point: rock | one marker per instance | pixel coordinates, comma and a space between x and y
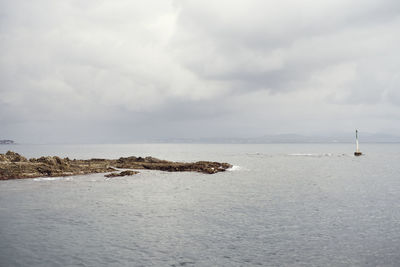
154, 160
125, 160
3, 158
14, 157
47, 160
123, 173
15, 166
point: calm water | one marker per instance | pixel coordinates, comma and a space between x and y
281, 205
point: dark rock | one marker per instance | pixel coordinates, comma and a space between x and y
123, 173
14, 157
15, 166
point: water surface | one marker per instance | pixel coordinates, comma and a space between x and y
281, 205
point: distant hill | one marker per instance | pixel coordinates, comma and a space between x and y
6, 142
288, 138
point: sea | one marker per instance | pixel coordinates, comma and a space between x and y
279, 205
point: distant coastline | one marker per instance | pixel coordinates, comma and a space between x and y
7, 142
284, 139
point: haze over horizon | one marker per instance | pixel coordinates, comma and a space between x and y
122, 71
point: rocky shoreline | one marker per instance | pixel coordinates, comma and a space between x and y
15, 166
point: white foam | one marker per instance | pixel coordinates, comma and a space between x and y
311, 154
52, 179
235, 168
302, 154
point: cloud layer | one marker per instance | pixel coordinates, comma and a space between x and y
119, 71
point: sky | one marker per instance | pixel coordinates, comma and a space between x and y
119, 71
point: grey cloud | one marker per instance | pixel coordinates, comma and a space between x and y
126, 70
246, 47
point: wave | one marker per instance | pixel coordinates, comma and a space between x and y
311, 154
235, 168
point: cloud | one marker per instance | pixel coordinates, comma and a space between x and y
196, 68
273, 46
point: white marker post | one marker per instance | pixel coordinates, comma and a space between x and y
357, 153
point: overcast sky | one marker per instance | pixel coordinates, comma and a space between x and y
125, 70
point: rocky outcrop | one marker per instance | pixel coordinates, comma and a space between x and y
15, 166
12, 157
120, 174
151, 163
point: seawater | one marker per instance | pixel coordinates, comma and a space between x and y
281, 205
